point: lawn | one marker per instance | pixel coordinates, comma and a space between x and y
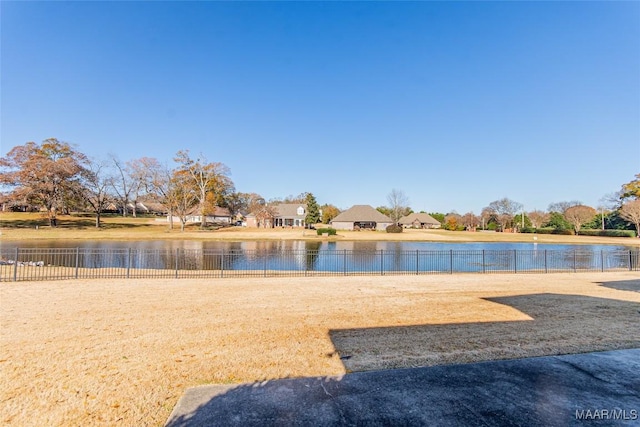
105, 352
32, 226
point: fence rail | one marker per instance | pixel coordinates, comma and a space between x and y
22, 264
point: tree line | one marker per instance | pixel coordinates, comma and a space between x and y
56, 177
618, 211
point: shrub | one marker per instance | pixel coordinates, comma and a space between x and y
548, 231
563, 232
394, 228
330, 231
608, 233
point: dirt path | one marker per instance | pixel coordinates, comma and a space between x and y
104, 352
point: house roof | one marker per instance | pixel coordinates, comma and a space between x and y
423, 218
290, 209
148, 206
217, 211
361, 213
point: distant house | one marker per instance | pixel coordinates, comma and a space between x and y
148, 207
419, 220
281, 215
9, 204
360, 217
219, 215
290, 215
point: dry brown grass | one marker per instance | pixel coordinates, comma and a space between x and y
123, 351
21, 226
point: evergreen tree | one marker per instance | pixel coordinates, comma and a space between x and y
313, 212
558, 222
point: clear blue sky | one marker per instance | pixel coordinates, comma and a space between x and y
457, 104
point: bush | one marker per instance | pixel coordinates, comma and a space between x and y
563, 232
394, 228
548, 231
608, 233
329, 231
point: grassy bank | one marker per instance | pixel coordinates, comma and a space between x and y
115, 352
33, 226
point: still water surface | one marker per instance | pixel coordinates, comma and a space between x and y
344, 256
288, 245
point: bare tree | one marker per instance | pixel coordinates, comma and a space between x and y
183, 196
487, 215
612, 201
505, 210
122, 183
631, 212
95, 188
608, 203
206, 177
237, 203
538, 218
159, 185
578, 215
398, 204
300, 198
561, 207
470, 221
138, 172
254, 201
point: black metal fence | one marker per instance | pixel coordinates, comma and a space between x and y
48, 264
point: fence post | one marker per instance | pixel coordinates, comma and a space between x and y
450, 261
630, 261
128, 262
15, 267
417, 262
177, 260
546, 270
222, 264
515, 260
265, 266
575, 269
382, 262
344, 262
484, 266
77, 261
601, 260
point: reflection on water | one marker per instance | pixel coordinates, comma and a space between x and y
272, 246
350, 257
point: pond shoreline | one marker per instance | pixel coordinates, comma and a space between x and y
237, 234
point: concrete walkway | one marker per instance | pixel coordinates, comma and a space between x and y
594, 389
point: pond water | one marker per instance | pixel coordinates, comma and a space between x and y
348, 257
273, 246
